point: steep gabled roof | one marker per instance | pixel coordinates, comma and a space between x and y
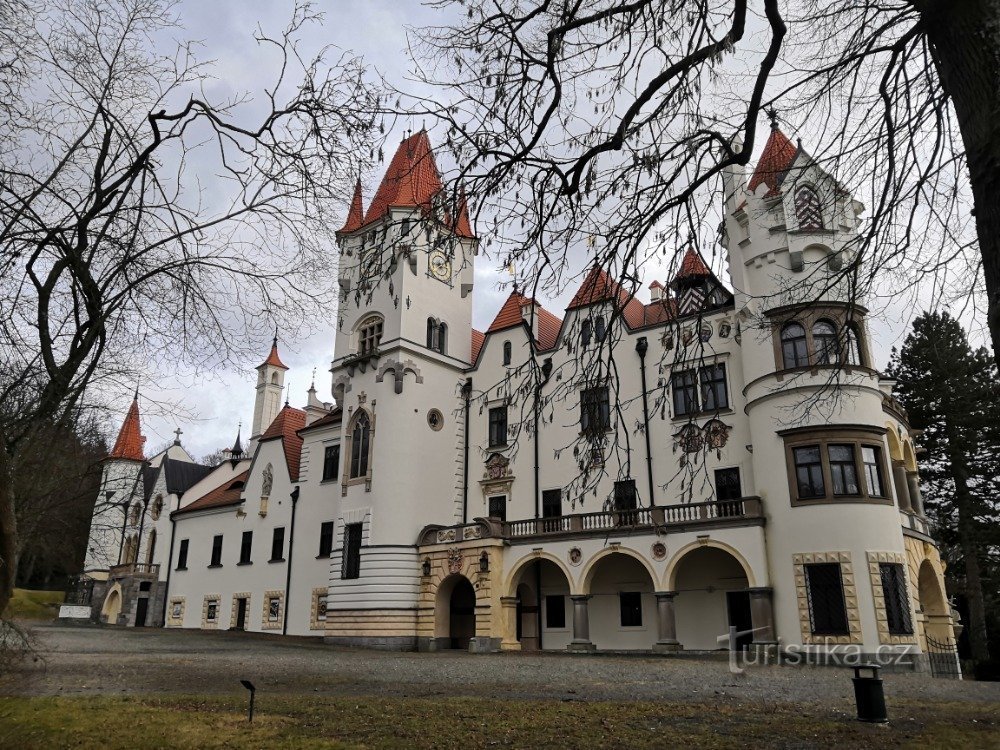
180, 476
692, 266
775, 160
227, 493
130, 441
660, 311
478, 337
355, 215
286, 426
512, 314
411, 180
598, 286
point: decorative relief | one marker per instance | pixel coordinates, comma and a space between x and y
689, 439
472, 532
800, 560
497, 467
658, 550
454, 561
881, 619
268, 482
717, 433
575, 556
446, 535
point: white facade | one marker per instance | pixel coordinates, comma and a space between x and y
484, 495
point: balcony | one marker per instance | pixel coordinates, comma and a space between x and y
746, 511
135, 570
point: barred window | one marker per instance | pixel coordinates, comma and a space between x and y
809, 471
350, 564
498, 507
825, 591
843, 470
897, 601
595, 410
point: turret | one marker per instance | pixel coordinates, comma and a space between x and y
270, 383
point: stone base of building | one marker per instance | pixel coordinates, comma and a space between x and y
74, 612
483, 644
667, 648
376, 642
581, 648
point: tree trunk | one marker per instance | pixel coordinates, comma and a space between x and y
968, 542
8, 530
965, 36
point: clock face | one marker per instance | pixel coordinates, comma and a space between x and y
440, 266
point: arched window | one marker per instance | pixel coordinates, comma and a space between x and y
442, 338
852, 346
793, 346
808, 210
360, 445
599, 330
431, 333
586, 330
369, 334
274, 378
825, 342
506, 352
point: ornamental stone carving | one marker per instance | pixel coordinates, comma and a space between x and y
454, 561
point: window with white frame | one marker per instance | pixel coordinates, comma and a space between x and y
370, 334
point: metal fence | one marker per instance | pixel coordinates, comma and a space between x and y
943, 657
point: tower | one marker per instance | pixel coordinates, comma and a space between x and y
270, 384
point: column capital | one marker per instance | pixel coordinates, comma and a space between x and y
508, 601
581, 597
665, 594
760, 591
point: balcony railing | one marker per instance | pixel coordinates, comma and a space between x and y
720, 512
145, 570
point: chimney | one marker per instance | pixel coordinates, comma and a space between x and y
655, 291
529, 311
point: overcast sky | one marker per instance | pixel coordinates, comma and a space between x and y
215, 405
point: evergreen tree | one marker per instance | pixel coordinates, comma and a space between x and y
952, 394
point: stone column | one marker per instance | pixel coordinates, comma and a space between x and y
916, 499
666, 621
902, 487
581, 625
508, 624
762, 615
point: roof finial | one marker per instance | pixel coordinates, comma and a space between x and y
136, 396
275, 342
312, 384
177, 436
772, 114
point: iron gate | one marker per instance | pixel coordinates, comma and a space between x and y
943, 657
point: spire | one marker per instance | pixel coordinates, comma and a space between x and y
273, 360
692, 266
130, 441
775, 160
236, 452
411, 180
356, 213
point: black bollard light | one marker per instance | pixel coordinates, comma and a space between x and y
869, 695
253, 691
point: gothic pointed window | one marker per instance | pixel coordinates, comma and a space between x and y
794, 352
808, 210
825, 342
360, 446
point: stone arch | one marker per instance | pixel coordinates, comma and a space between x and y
933, 600
670, 579
909, 456
895, 449
510, 585
112, 606
587, 578
450, 624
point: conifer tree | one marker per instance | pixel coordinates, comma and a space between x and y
951, 393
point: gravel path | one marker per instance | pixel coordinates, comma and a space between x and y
90, 660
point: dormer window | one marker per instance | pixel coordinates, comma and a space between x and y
369, 335
808, 210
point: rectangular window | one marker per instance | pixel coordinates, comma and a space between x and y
331, 462
246, 544
326, 538
321, 608
595, 410
685, 392
216, 552
713, 388
273, 608
843, 470
551, 503
897, 601
182, 555
498, 507
350, 565
809, 472
498, 426
727, 484
212, 611
630, 603
872, 459
825, 591
278, 545
555, 611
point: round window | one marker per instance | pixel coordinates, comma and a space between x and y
435, 419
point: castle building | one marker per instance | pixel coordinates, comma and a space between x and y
709, 468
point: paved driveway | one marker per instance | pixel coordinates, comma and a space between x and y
91, 660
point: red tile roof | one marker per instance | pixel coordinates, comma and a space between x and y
273, 359
777, 157
692, 265
598, 286
660, 312
656, 285
286, 426
356, 212
412, 178
463, 228
227, 493
478, 337
130, 440
334, 417
511, 314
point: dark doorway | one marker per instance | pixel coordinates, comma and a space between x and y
738, 603
241, 614
462, 618
141, 605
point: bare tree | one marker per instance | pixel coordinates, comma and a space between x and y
144, 222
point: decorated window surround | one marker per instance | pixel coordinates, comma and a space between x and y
875, 559
799, 561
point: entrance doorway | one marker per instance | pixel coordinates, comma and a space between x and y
241, 613
738, 604
141, 606
462, 615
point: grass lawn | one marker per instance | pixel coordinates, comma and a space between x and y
309, 721
33, 605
